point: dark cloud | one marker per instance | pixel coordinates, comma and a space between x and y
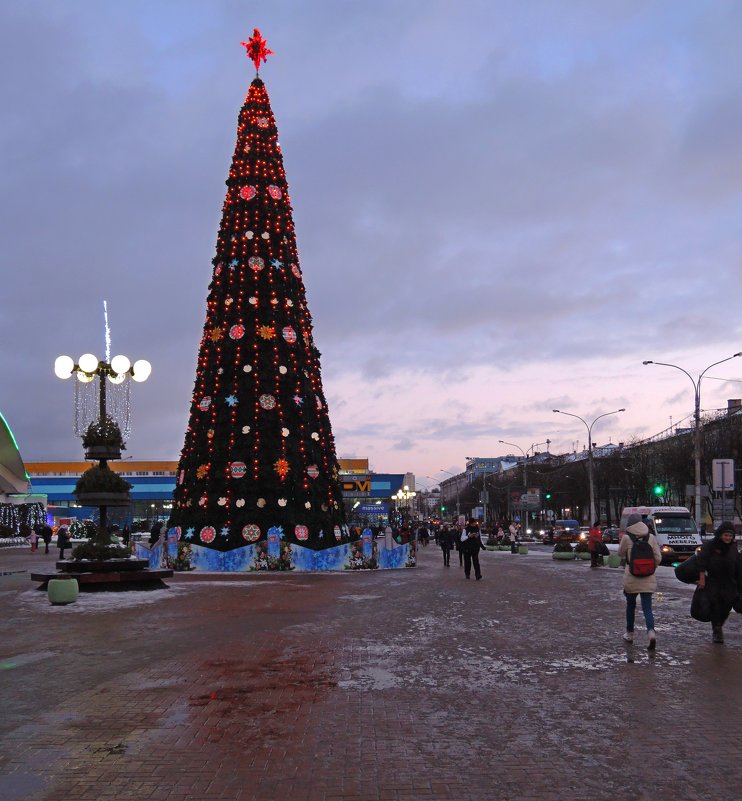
557, 189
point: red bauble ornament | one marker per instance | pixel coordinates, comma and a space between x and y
312, 471
208, 533
267, 401
238, 469
237, 331
289, 334
251, 533
255, 263
301, 533
204, 403
275, 192
248, 192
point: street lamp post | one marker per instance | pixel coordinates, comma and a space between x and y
589, 452
525, 476
457, 490
697, 422
117, 371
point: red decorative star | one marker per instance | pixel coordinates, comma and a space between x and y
256, 49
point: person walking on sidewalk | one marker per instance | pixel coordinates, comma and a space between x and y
721, 575
642, 586
63, 540
595, 544
445, 540
471, 545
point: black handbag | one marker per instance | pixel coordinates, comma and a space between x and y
700, 606
688, 571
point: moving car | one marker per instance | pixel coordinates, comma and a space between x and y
610, 534
673, 526
566, 530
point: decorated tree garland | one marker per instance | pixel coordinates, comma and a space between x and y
259, 456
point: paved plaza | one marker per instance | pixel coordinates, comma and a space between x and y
380, 686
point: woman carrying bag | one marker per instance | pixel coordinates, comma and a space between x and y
720, 574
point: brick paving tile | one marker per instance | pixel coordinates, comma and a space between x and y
382, 686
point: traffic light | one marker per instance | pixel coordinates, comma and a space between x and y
658, 489
443, 509
548, 495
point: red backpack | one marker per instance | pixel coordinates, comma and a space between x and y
641, 557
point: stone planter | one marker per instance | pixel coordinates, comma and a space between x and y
103, 452
523, 549
104, 499
503, 547
584, 555
62, 591
563, 556
614, 560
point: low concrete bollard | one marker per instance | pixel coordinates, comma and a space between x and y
523, 549
62, 591
614, 560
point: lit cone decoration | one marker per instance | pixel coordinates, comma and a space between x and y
259, 451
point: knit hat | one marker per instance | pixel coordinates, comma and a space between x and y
635, 526
725, 528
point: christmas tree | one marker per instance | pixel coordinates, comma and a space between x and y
259, 456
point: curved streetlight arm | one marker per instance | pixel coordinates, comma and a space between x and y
677, 367
590, 430
513, 445
569, 414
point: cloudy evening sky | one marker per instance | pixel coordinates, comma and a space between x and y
502, 208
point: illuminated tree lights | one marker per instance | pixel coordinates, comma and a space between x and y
259, 452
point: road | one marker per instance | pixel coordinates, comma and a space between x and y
378, 686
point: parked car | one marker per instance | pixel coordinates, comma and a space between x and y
610, 534
584, 534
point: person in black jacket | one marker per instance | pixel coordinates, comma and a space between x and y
721, 573
445, 540
471, 545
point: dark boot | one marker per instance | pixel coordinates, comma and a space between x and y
718, 634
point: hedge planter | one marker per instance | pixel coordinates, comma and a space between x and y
504, 547
104, 499
614, 560
523, 549
563, 556
584, 555
62, 591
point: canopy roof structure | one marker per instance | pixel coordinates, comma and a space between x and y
13, 477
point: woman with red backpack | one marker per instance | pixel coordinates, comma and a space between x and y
642, 553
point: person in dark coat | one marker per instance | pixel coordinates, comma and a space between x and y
471, 545
63, 540
445, 540
154, 532
721, 575
46, 535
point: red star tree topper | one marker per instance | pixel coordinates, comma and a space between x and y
256, 49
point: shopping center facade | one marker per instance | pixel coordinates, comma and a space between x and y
369, 497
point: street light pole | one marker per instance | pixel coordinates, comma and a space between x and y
696, 422
589, 452
525, 477
457, 490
